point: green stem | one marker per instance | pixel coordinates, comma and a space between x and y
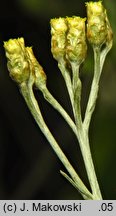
83, 134
66, 75
49, 97
99, 58
103, 55
77, 95
90, 167
84, 148
29, 97
74, 185
88, 114
94, 89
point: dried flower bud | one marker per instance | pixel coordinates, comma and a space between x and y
37, 70
76, 40
96, 23
58, 40
18, 65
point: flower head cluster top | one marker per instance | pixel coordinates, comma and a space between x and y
69, 34
68, 42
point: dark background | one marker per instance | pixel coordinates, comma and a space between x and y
29, 169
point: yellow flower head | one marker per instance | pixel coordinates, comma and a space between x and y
76, 47
58, 40
18, 64
96, 23
37, 70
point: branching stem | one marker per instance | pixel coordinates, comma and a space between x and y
27, 92
83, 136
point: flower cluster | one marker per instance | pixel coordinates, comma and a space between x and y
22, 63
68, 38
69, 34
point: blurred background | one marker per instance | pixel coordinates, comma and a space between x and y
29, 169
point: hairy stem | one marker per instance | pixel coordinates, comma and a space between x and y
49, 97
29, 97
83, 136
94, 89
66, 75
